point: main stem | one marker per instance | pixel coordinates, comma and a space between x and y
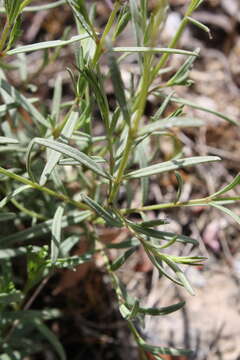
140, 106
48, 191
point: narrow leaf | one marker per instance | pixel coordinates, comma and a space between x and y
170, 165
119, 87
180, 185
10, 253
155, 222
122, 259
162, 235
12, 195
226, 211
205, 109
44, 228
46, 45
169, 123
179, 273
232, 185
103, 213
6, 140
51, 337
54, 156
162, 311
66, 150
200, 25
56, 233
7, 216
57, 96
12, 297
156, 350
22, 101
69, 262
152, 50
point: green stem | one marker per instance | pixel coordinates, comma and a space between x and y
139, 106
4, 35
100, 45
202, 201
28, 212
24, 4
174, 40
48, 191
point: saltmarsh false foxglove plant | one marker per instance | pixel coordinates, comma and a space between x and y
35, 157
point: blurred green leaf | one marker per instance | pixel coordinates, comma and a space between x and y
23, 102
12, 297
226, 211
7, 216
51, 337
44, 228
180, 185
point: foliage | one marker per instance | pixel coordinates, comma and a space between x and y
35, 156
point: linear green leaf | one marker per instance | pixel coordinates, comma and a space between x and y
57, 97
56, 233
162, 235
26, 315
55, 156
7, 216
5, 200
46, 45
66, 150
7, 140
122, 259
169, 123
155, 222
119, 87
162, 311
170, 165
144, 49
124, 244
69, 161
200, 25
8, 298
22, 101
51, 337
69, 262
226, 211
232, 185
13, 105
156, 350
180, 185
67, 244
10, 252
179, 273
188, 260
205, 109
181, 76
105, 214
